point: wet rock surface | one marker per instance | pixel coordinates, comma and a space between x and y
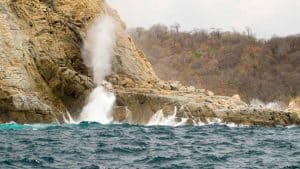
197, 108
42, 75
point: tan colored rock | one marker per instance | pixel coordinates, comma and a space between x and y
42, 74
127, 82
143, 105
294, 106
209, 93
236, 96
175, 85
160, 85
191, 89
201, 90
41, 70
121, 114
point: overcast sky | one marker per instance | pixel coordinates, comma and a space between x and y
265, 17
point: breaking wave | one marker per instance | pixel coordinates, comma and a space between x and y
275, 105
97, 55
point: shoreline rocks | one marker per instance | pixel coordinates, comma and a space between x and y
42, 75
142, 104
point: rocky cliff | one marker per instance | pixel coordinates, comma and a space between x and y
42, 75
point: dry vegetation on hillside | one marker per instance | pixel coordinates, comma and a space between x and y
227, 63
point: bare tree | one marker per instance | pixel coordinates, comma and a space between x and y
249, 32
176, 26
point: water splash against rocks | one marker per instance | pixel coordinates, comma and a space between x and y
97, 56
275, 106
159, 119
99, 106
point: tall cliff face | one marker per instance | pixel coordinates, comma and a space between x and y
42, 74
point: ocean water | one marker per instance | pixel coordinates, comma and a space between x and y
92, 146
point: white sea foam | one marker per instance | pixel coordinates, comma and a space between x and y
276, 105
159, 119
99, 106
69, 119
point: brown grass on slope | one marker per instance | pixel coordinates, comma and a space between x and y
227, 63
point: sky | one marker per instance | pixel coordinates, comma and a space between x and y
266, 18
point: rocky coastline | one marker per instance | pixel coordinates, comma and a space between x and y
42, 75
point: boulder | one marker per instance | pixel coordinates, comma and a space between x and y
191, 89
175, 85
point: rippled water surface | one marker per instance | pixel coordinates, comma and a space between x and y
91, 145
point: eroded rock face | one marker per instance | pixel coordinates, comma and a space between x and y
197, 107
42, 75
294, 106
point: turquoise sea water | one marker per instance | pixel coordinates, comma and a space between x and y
91, 145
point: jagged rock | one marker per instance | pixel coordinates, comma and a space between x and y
41, 69
209, 93
127, 82
42, 75
142, 105
163, 85
122, 113
236, 96
175, 85
294, 106
160, 85
191, 89
201, 90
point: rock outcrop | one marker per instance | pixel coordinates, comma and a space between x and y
42, 75
294, 106
198, 107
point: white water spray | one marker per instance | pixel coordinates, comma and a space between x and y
97, 55
159, 119
98, 48
99, 107
275, 106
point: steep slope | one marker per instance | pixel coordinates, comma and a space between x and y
42, 75
227, 63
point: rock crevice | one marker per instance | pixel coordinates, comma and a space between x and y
42, 74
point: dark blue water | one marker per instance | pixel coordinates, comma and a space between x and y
91, 145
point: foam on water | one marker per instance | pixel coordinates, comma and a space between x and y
92, 145
160, 119
99, 106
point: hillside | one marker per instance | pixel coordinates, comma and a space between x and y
49, 52
227, 63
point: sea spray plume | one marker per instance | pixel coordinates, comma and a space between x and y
99, 106
98, 48
275, 106
97, 55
